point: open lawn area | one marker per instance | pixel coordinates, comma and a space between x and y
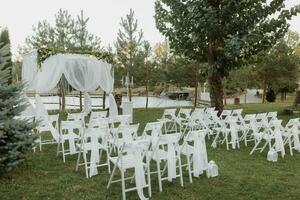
241, 176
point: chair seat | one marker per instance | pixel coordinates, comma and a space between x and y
129, 161
187, 150
88, 146
163, 155
69, 136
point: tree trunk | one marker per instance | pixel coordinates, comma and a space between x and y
245, 99
63, 100
147, 95
264, 93
215, 80
103, 100
196, 89
129, 92
80, 101
216, 90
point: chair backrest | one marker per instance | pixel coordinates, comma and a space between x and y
98, 114
184, 113
53, 119
76, 117
99, 123
71, 126
292, 122
127, 132
169, 113
153, 128
272, 115
225, 114
237, 112
210, 109
122, 119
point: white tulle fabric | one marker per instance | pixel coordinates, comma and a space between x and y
84, 73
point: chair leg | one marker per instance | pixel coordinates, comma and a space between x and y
180, 171
189, 168
255, 146
159, 175
40, 143
57, 153
111, 176
149, 178
226, 140
290, 146
78, 160
85, 164
108, 162
123, 185
63, 150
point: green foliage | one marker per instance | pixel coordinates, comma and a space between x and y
278, 68
15, 134
223, 33
67, 35
131, 49
4, 40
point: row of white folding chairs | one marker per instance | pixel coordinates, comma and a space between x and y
163, 148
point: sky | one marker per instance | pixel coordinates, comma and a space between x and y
20, 15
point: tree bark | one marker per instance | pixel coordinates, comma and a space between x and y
216, 90
129, 92
103, 100
215, 80
196, 89
264, 93
80, 101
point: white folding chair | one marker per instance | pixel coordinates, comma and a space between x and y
291, 135
132, 155
170, 120
194, 148
46, 125
164, 149
68, 133
261, 133
93, 140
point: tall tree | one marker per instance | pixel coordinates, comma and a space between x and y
129, 48
223, 33
4, 40
15, 134
278, 69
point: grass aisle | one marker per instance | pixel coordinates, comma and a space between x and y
45, 176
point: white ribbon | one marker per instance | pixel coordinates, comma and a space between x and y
72, 142
197, 156
279, 146
171, 161
234, 135
296, 137
113, 109
139, 173
94, 156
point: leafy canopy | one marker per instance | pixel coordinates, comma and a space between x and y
229, 31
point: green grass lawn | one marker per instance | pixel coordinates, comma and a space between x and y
241, 176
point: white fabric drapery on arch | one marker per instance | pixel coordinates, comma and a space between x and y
84, 73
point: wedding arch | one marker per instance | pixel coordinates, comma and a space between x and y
83, 72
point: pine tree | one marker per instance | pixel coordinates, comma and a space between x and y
4, 40
15, 134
